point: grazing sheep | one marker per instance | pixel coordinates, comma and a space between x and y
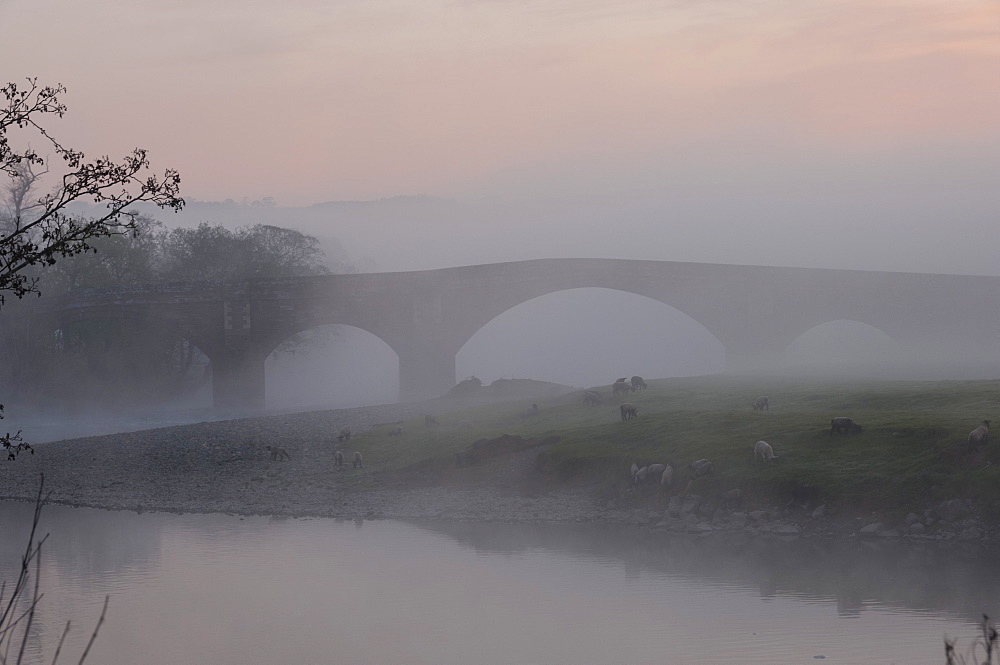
621, 380
763, 450
430, 421
640, 475
621, 388
979, 436
592, 398
530, 413
277, 453
396, 431
845, 425
701, 468
338, 458
344, 435
358, 461
464, 424
633, 470
638, 383
762, 404
732, 499
667, 479
627, 410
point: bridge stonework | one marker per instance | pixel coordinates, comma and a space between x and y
427, 316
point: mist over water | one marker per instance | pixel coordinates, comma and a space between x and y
219, 588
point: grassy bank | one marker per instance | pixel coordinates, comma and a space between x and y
911, 454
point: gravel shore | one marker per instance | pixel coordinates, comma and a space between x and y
222, 467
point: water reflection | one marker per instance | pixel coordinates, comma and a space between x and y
218, 588
955, 578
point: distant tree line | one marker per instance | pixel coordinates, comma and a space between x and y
131, 362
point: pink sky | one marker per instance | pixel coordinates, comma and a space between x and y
309, 101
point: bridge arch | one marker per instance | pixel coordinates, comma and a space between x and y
845, 347
588, 336
331, 365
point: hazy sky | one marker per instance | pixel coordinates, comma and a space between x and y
798, 132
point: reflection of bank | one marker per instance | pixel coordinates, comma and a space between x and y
84, 543
853, 573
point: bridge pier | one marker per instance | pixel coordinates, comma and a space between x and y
425, 372
238, 378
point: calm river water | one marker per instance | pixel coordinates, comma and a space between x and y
218, 589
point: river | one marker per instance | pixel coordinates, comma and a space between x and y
220, 589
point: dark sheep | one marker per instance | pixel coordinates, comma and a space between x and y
762, 404
358, 460
628, 411
396, 431
621, 388
638, 383
277, 453
430, 421
592, 398
845, 425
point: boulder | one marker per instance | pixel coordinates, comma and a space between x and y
952, 510
872, 529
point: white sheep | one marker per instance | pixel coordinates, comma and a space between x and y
979, 436
640, 475
764, 451
667, 479
701, 468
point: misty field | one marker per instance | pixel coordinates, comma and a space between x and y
912, 452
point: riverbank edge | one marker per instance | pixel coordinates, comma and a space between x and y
206, 468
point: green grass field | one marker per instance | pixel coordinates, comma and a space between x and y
911, 454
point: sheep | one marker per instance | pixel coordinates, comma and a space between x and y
338, 458
530, 413
845, 425
277, 453
762, 404
640, 475
979, 436
592, 398
633, 470
732, 499
430, 421
627, 410
621, 380
344, 435
701, 468
667, 479
621, 388
358, 460
464, 424
763, 450
396, 431
638, 383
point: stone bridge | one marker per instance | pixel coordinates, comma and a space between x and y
427, 316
